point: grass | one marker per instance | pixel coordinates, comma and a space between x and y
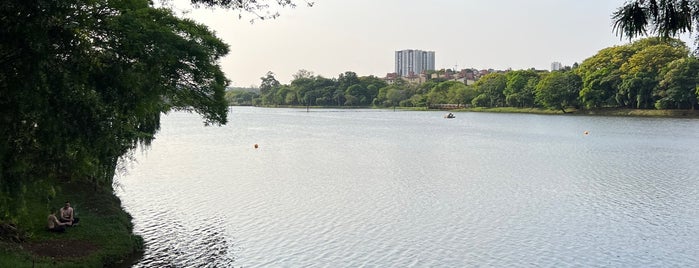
570, 110
594, 112
103, 238
511, 110
642, 112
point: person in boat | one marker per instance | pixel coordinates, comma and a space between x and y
67, 215
54, 225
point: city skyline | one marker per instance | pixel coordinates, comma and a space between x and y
361, 36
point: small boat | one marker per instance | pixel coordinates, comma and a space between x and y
449, 115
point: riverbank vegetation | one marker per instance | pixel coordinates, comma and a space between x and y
103, 237
83, 84
650, 74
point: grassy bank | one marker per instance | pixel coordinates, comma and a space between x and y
601, 112
511, 110
571, 111
103, 238
643, 113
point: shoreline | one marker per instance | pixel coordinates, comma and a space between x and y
621, 112
106, 231
104, 237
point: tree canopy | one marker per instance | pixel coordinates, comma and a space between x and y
85, 81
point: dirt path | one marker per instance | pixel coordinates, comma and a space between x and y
61, 249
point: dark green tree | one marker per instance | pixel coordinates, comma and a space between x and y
268, 89
84, 82
346, 80
520, 88
559, 90
491, 88
679, 84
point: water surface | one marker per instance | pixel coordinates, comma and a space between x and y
377, 188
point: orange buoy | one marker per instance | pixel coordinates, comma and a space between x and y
255, 146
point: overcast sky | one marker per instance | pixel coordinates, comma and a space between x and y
335, 36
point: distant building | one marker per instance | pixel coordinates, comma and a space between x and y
412, 62
556, 66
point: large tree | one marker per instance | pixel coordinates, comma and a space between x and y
559, 90
84, 82
679, 84
520, 88
490, 90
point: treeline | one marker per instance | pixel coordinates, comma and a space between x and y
651, 73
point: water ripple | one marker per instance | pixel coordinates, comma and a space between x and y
370, 188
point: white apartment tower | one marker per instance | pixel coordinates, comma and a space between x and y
413, 62
556, 66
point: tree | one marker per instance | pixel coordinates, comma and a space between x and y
339, 96
268, 89
372, 85
679, 84
461, 94
667, 18
438, 94
300, 86
355, 93
520, 88
628, 75
84, 82
259, 8
240, 97
346, 80
303, 73
395, 96
492, 86
558, 90
644, 68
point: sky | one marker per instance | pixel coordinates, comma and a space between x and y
335, 36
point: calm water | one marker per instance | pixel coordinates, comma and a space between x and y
377, 188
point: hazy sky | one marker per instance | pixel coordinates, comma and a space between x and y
335, 36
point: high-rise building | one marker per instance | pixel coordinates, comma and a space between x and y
555, 66
413, 62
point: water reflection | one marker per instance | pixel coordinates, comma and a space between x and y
347, 188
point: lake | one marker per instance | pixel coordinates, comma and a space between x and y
378, 188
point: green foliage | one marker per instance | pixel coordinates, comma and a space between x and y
630, 75
520, 88
84, 82
491, 86
667, 18
240, 97
558, 90
438, 94
103, 223
678, 87
309, 90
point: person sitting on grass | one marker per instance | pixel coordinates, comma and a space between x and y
54, 224
67, 215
